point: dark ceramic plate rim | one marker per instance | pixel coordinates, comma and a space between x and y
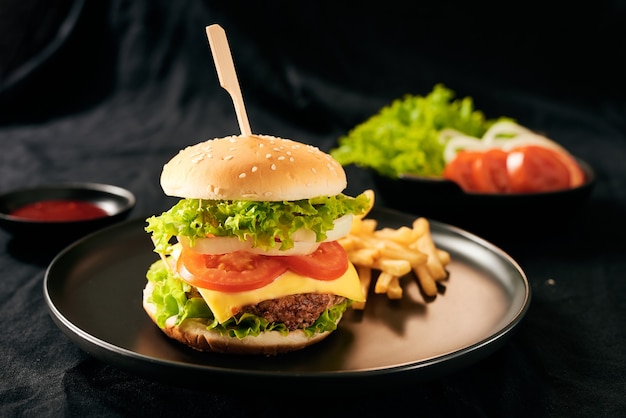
194, 374
108, 189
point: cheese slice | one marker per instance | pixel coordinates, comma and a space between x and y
225, 304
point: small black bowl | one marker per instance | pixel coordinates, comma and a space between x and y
501, 218
115, 201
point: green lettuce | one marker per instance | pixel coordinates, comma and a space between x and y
170, 295
266, 223
404, 137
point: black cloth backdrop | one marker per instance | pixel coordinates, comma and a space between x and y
134, 81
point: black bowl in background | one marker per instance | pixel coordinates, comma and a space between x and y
116, 201
501, 218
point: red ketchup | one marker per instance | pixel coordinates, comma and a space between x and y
59, 210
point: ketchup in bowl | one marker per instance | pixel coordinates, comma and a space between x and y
59, 210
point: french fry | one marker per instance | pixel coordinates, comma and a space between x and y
368, 226
382, 283
347, 243
443, 256
363, 256
394, 252
392, 266
394, 291
403, 235
426, 280
426, 245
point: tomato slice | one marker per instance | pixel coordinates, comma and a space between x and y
576, 174
328, 262
489, 172
231, 272
525, 169
460, 170
536, 169
239, 271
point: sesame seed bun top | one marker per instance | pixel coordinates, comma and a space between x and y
255, 167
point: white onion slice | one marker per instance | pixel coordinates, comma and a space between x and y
299, 248
527, 139
504, 135
507, 128
303, 241
303, 235
341, 229
216, 245
462, 142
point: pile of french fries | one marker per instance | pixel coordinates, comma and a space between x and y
394, 253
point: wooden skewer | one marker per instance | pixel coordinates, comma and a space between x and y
227, 74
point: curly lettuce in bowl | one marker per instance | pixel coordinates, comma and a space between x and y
405, 136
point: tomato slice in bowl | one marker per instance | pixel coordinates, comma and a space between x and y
490, 173
328, 262
576, 174
237, 271
461, 169
535, 169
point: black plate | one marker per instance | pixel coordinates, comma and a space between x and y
93, 290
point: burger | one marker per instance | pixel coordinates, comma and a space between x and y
249, 259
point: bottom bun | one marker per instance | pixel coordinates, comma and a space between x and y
193, 332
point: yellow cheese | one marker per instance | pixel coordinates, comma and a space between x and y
223, 304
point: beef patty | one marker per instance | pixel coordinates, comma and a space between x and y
295, 311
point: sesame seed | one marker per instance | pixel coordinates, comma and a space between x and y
273, 166
232, 149
291, 159
228, 157
313, 170
282, 157
242, 175
254, 169
268, 155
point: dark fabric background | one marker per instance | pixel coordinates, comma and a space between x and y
134, 81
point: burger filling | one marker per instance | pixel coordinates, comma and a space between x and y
267, 225
176, 300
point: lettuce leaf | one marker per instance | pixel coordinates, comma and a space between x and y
267, 223
403, 137
170, 297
